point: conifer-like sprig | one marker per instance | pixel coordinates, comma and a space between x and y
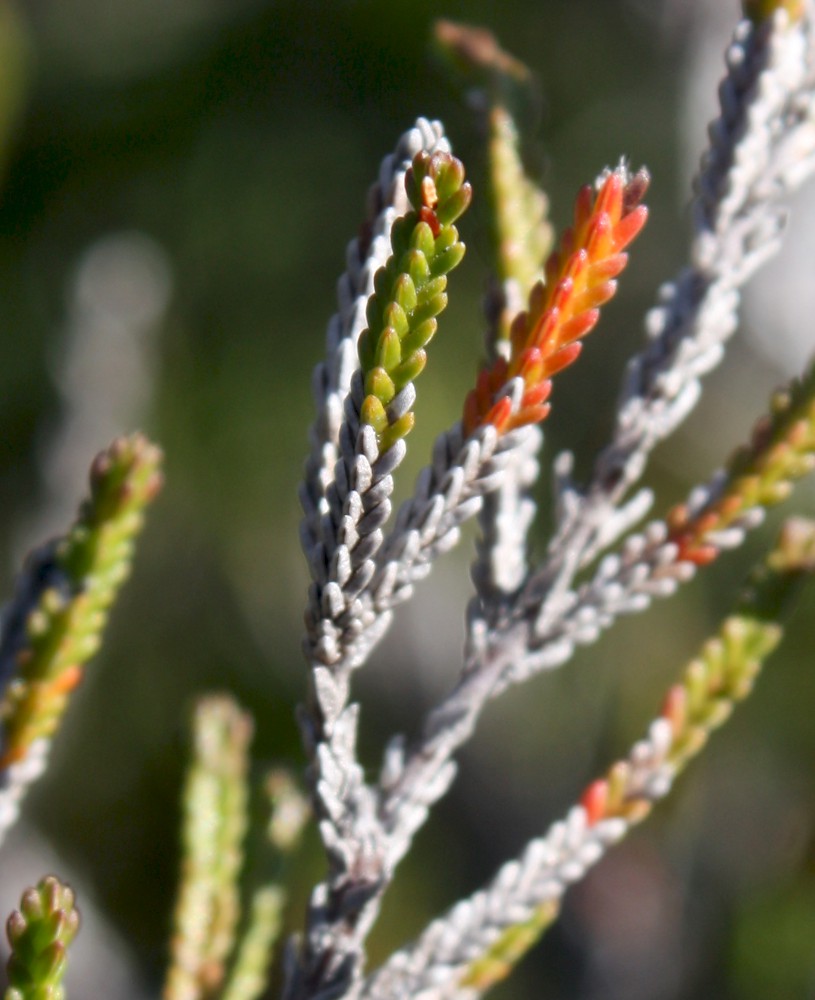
523, 234
214, 824
715, 517
534, 622
482, 938
762, 147
722, 674
249, 966
580, 277
650, 564
760, 475
39, 934
55, 624
471, 459
409, 293
331, 383
470, 463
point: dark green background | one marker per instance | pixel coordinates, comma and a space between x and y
242, 137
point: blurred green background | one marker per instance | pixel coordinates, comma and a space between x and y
221, 150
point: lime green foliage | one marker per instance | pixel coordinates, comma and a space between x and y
87, 567
39, 934
216, 817
509, 949
249, 974
409, 292
783, 447
523, 235
723, 673
215, 820
289, 811
725, 670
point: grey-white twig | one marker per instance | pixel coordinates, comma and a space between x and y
523, 620
433, 967
345, 499
547, 622
762, 147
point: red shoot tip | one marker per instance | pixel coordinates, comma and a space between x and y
594, 800
579, 279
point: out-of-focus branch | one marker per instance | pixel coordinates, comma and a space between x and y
54, 623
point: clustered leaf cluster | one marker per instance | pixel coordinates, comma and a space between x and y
527, 615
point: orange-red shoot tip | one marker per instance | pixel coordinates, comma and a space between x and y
500, 414
579, 279
629, 227
69, 679
674, 708
595, 800
689, 536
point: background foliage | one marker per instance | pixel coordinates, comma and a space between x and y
241, 137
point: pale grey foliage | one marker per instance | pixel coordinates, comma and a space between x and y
15, 781
507, 515
523, 619
542, 634
347, 482
761, 148
448, 492
432, 968
346, 501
